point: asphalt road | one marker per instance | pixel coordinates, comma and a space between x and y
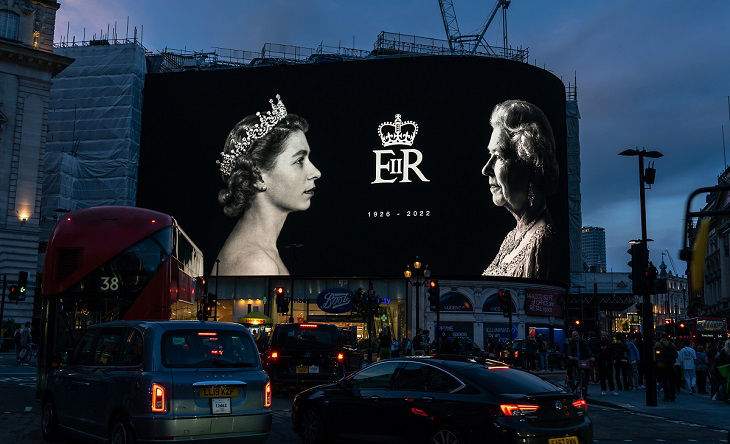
20, 418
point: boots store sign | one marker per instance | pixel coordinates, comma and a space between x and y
335, 300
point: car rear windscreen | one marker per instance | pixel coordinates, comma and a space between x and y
209, 348
313, 336
509, 381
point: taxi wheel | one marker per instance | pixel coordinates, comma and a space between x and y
121, 432
49, 421
445, 435
312, 427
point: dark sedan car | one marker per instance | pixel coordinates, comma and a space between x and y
441, 401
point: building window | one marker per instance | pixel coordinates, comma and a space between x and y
9, 25
36, 38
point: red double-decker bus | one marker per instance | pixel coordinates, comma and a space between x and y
110, 263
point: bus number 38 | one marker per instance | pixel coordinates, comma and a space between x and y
109, 283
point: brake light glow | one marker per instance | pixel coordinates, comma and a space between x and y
518, 409
419, 412
274, 355
207, 333
497, 367
158, 398
154, 221
340, 356
68, 219
581, 405
267, 395
308, 325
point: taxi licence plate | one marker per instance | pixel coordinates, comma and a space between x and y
220, 406
302, 369
565, 440
215, 391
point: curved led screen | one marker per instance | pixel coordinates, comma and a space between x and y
458, 160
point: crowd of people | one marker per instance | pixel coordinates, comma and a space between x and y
615, 362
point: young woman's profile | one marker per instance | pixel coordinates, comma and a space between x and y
267, 174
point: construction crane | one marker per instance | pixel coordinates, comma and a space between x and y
457, 40
671, 261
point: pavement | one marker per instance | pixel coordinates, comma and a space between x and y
688, 408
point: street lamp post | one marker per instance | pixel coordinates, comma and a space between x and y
417, 274
646, 177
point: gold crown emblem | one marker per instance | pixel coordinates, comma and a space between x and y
397, 132
240, 146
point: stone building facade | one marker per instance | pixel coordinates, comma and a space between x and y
27, 64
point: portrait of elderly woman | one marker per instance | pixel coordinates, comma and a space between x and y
523, 171
267, 174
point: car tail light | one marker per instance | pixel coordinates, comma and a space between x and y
497, 367
518, 409
274, 355
267, 395
158, 398
308, 325
207, 333
340, 356
581, 405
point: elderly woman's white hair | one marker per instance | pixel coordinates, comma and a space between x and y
531, 138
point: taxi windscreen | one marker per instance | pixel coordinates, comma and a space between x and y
209, 348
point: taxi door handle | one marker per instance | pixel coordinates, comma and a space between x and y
84, 383
375, 397
427, 399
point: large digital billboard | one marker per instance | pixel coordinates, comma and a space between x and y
358, 167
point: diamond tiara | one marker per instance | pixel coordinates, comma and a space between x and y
266, 123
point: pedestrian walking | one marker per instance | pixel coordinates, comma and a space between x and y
634, 360
621, 362
701, 370
384, 343
418, 344
395, 348
605, 364
407, 346
531, 347
722, 359
18, 347
542, 351
687, 357
666, 358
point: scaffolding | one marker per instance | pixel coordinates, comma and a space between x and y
395, 43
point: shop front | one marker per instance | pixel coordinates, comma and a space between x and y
472, 309
313, 300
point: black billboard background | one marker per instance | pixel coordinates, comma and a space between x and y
187, 116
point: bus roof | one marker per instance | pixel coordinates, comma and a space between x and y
84, 239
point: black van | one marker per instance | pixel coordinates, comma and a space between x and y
305, 354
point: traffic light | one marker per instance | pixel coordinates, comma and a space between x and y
434, 294
505, 302
22, 284
282, 302
638, 264
13, 293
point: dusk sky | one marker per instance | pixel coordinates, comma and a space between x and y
652, 74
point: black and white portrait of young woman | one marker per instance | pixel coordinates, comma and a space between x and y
267, 174
523, 171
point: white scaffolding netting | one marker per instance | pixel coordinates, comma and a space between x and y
574, 200
94, 123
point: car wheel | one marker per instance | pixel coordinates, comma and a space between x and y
121, 432
445, 435
312, 427
49, 421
